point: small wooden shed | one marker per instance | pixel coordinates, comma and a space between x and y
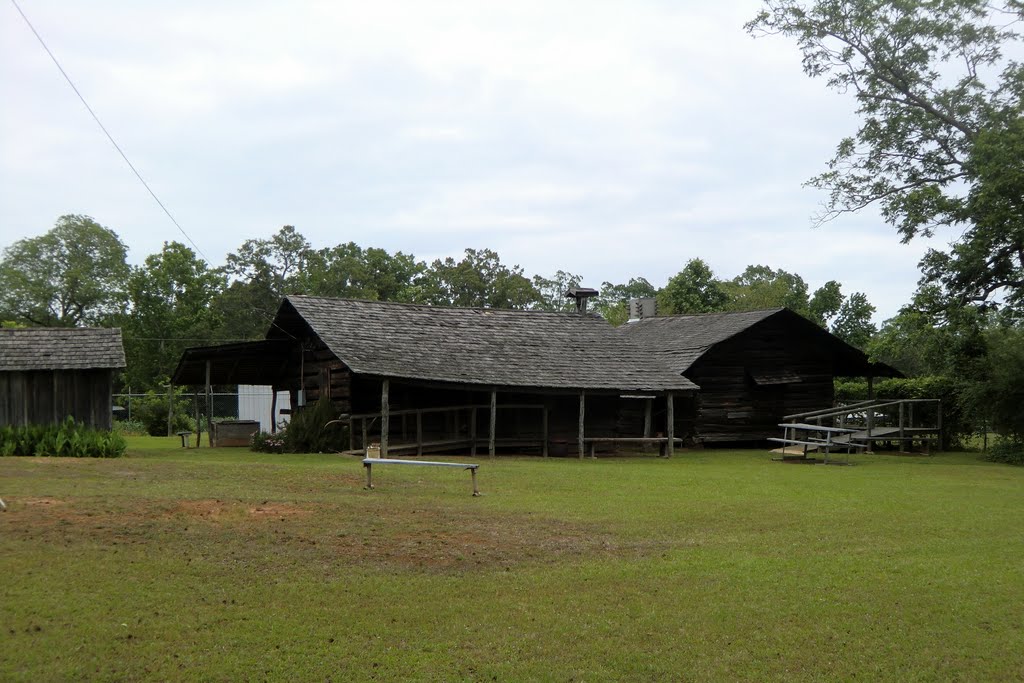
50, 373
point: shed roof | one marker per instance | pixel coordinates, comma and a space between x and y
60, 348
680, 340
495, 347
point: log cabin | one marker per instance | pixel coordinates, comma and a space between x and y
753, 367
418, 379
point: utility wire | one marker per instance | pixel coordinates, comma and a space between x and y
107, 133
125, 156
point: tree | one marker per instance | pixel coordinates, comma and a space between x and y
348, 270
941, 126
760, 287
170, 297
853, 323
551, 292
73, 275
261, 272
479, 280
825, 303
694, 289
612, 303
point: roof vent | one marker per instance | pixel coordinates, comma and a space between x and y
642, 308
581, 294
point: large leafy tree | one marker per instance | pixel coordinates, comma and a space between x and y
479, 279
940, 130
170, 297
75, 274
760, 287
551, 291
261, 272
348, 270
694, 289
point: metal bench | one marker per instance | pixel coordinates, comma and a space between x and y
185, 439
368, 463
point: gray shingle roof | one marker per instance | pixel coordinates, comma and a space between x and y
60, 348
482, 346
679, 340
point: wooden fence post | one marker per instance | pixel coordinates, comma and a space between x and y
581, 435
385, 418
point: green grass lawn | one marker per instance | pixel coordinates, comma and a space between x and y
225, 565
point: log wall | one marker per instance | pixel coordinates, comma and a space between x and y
48, 397
735, 408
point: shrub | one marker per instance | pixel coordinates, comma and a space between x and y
1010, 451
151, 410
131, 427
68, 439
957, 422
306, 432
262, 442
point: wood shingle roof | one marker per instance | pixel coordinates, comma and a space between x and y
493, 347
60, 348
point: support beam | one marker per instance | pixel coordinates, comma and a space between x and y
472, 432
351, 434
170, 409
419, 432
670, 427
385, 417
494, 422
209, 408
273, 410
544, 418
583, 408
364, 442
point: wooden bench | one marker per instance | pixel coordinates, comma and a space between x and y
808, 441
368, 463
662, 442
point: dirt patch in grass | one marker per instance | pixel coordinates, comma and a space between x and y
236, 511
326, 536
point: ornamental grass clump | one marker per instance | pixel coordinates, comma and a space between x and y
68, 439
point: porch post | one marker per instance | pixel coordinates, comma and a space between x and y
472, 432
544, 418
385, 418
273, 409
670, 428
581, 435
209, 409
494, 422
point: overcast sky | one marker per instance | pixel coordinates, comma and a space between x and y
608, 139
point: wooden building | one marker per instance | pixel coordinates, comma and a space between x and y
753, 368
48, 374
420, 378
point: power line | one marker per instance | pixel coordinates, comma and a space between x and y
125, 156
107, 133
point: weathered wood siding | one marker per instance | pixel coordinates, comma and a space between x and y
49, 396
735, 408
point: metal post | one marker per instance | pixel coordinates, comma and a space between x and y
583, 408
369, 475
472, 472
671, 426
385, 418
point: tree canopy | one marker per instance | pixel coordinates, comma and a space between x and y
75, 274
940, 130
